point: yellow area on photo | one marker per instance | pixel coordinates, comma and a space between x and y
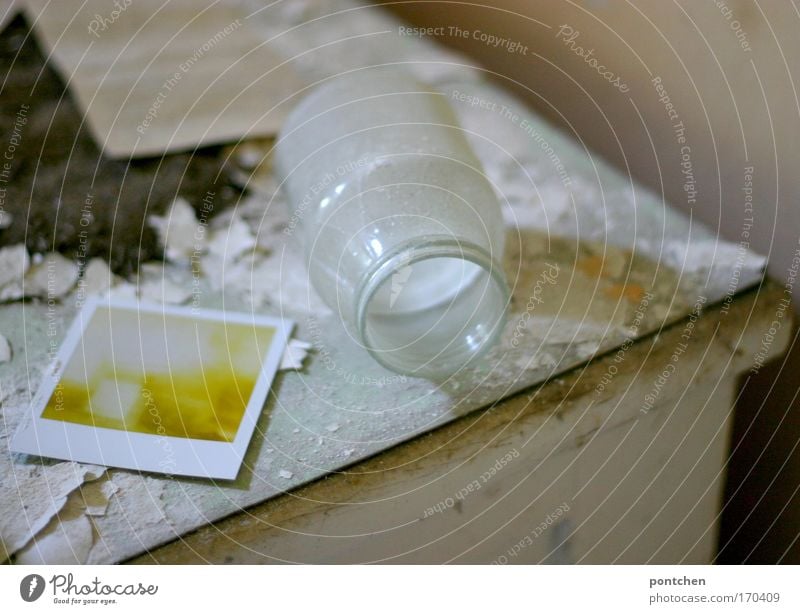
180, 378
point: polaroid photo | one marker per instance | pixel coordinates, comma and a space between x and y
174, 390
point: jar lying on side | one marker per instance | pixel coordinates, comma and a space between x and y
402, 231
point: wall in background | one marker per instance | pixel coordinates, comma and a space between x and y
732, 80
730, 72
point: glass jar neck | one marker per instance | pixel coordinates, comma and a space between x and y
428, 307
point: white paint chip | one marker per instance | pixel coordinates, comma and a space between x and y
44, 498
67, 539
230, 242
164, 291
156, 284
286, 475
294, 354
97, 495
14, 263
52, 277
124, 291
179, 231
96, 278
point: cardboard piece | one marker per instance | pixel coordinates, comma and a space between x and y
156, 78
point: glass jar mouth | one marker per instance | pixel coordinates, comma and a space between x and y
459, 317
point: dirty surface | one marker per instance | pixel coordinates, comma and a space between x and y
59, 185
594, 261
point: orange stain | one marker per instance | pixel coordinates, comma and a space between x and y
630, 292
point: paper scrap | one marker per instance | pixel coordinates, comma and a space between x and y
184, 73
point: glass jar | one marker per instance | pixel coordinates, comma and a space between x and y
402, 232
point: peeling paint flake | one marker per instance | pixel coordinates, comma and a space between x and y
295, 353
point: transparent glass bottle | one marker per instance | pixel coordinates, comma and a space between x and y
402, 231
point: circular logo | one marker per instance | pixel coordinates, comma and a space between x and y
31, 587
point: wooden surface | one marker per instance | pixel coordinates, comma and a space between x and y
647, 489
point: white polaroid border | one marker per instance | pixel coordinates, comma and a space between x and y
142, 451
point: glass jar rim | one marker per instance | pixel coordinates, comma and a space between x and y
407, 254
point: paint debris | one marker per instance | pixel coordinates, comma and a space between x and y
249, 155
164, 291
97, 278
46, 489
286, 475
67, 539
157, 284
332, 428
294, 354
124, 291
232, 240
180, 233
97, 495
14, 263
253, 159
52, 277
5, 350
